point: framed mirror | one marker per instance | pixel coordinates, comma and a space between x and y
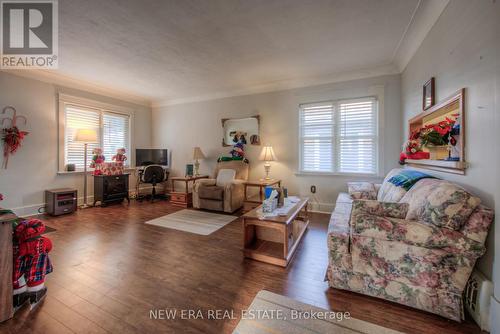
247, 128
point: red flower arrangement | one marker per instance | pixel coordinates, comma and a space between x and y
438, 134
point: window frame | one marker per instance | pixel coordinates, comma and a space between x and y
102, 108
379, 103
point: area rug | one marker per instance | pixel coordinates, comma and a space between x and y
193, 221
293, 317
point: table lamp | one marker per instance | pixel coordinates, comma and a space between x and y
85, 136
197, 154
267, 155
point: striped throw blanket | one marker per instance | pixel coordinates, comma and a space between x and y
407, 178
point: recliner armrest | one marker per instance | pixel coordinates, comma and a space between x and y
203, 182
238, 181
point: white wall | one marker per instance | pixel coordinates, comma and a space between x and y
462, 50
33, 168
181, 127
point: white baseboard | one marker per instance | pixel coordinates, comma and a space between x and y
32, 209
29, 210
321, 207
494, 316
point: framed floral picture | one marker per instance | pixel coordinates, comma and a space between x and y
429, 98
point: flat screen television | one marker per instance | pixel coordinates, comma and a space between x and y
145, 157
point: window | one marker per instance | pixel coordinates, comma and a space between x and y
339, 136
113, 132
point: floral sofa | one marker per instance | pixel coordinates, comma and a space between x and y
415, 246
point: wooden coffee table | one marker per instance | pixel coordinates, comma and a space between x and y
274, 239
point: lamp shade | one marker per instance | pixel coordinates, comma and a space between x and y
86, 136
198, 154
267, 154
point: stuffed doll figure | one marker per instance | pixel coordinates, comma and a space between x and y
97, 161
238, 151
31, 262
120, 156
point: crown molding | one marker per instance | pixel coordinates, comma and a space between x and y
426, 14
49, 76
282, 85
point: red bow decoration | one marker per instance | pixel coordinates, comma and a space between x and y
12, 137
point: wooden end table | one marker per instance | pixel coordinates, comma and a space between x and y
275, 239
183, 199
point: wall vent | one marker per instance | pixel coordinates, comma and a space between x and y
477, 299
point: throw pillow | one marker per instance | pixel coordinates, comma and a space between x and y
362, 190
389, 192
449, 206
225, 176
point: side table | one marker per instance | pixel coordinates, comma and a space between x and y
252, 203
183, 199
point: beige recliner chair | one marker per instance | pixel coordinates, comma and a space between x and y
225, 192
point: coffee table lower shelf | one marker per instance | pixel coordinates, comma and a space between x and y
271, 251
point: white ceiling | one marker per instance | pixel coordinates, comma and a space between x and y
164, 52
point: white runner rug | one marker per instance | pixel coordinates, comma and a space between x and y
273, 313
193, 221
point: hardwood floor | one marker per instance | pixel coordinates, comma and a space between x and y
110, 270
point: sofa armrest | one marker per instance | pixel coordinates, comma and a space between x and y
415, 233
362, 190
203, 182
382, 209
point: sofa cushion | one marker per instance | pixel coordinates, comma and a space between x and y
441, 203
211, 192
383, 209
389, 192
362, 190
415, 233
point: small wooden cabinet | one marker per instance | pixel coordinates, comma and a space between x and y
183, 199
110, 188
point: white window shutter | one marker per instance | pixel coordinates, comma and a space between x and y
79, 118
339, 136
316, 133
115, 134
357, 138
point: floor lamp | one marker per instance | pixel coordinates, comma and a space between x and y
85, 136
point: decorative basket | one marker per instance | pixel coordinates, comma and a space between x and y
112, 168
